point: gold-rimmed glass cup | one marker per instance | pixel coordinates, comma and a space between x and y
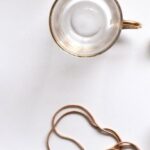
86, 28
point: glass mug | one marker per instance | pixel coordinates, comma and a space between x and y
86, 28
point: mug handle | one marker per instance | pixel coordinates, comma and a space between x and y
128, 24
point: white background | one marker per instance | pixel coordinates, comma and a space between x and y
37, 78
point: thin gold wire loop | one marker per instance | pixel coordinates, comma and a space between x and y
105, 131
125, 145
84, 113
79, 110
66, 137
87, 115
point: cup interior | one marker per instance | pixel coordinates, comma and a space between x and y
85, 28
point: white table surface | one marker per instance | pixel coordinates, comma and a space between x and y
37, 78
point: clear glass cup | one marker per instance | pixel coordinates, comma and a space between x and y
87, 28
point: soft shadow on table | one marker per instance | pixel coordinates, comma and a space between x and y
120, 51
122, 40
147, 141
147, 53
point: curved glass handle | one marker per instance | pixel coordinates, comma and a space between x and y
127, 24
